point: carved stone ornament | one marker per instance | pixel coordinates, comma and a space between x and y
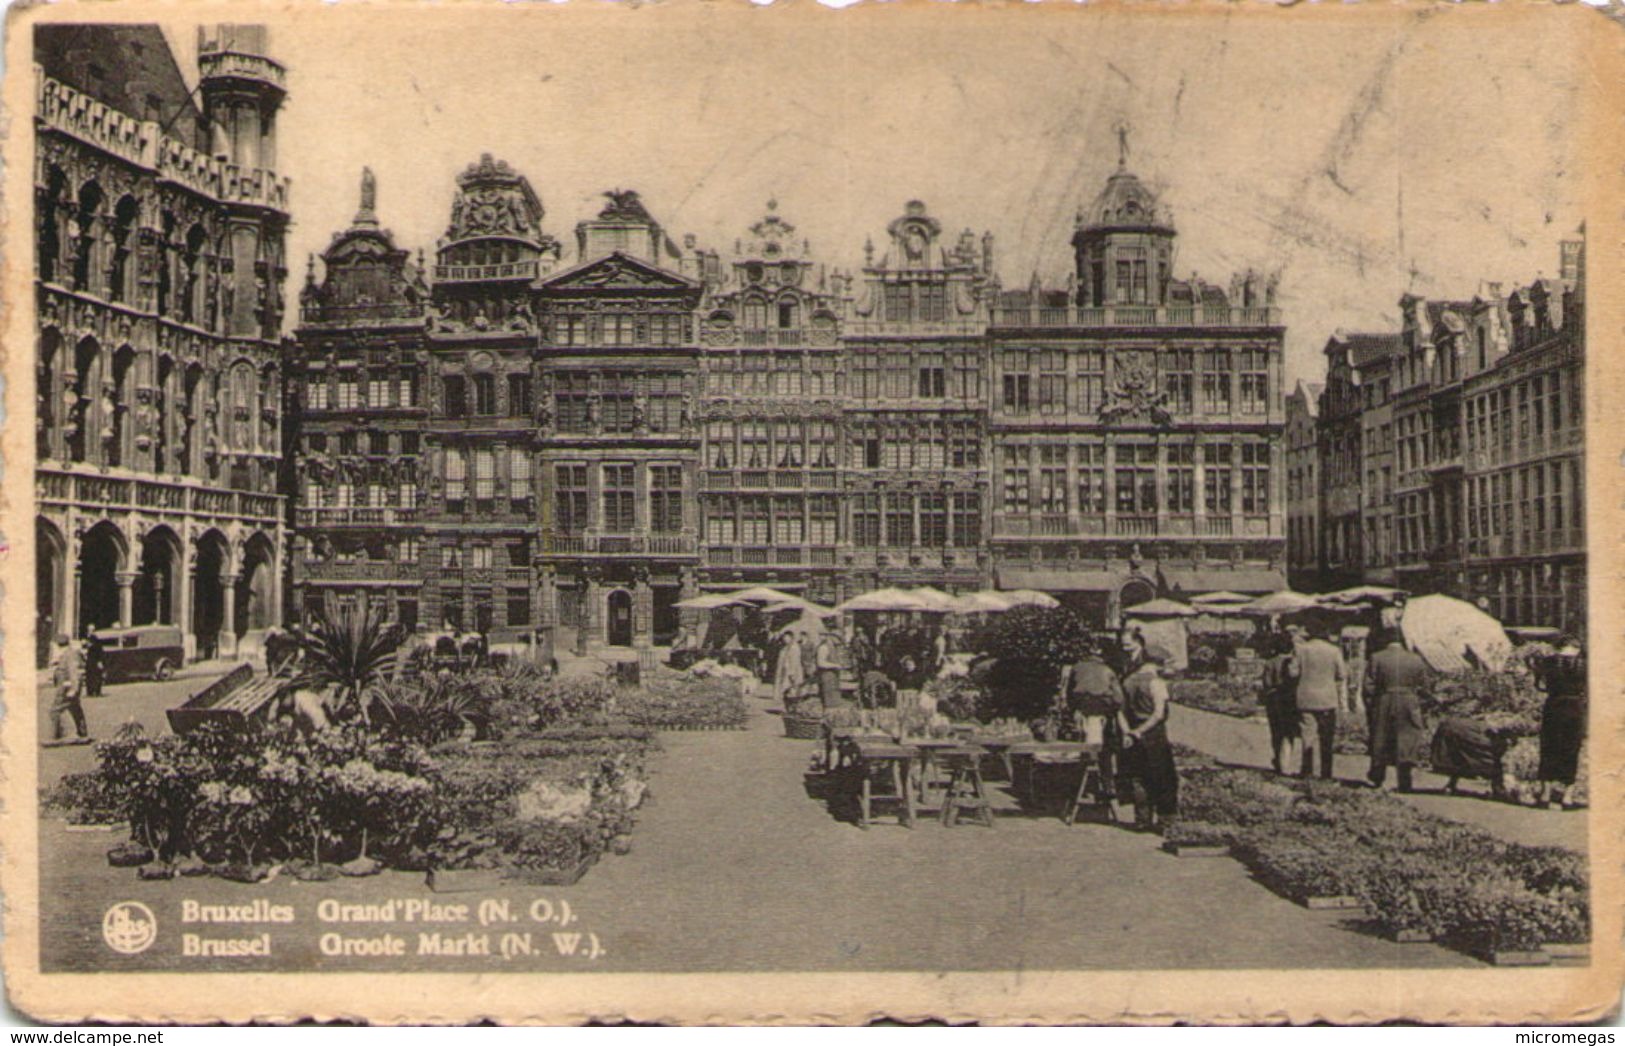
1136, 398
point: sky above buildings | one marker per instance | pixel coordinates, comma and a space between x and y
1361, 157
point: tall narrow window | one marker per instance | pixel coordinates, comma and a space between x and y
456, 396
1181, 472
519, 479
1178, 380
1051, 382
1017, 480
519, 400
1052, 481
485, 475
1216, 381
1255, 478
620, 498
933, 376
569, 499
1216, 479
1091, 473
1255, 381
899, 520
665, 499
456, 479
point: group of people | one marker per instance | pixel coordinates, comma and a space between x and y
78, 670
1309, 681
885, 663
1125, 709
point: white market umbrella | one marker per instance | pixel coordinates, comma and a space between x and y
1283, 602
762, 594
807, 607
1159, 608
1026, 597
983, 603
1220, 599
1365, 594
1444, 630
885, 599
708, 601
936, 599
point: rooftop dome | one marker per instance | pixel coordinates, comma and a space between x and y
1124, 201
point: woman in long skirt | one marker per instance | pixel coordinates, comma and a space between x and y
1562, 719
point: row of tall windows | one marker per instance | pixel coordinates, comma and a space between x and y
353, 389
622, 329
775, 445
906, 519
618, 401
894, 372
1142, 479
760, 519
766, 374
618, 498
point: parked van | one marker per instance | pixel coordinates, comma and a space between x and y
142, 652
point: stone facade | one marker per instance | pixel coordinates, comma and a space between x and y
159, 234
1452, 452
646, 422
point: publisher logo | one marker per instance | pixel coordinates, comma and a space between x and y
129, 927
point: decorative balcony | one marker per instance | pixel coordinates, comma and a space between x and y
635, 544
354, 516
517, 270
142, 143
1137, 316
97, 492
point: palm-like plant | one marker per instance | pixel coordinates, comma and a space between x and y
352, 649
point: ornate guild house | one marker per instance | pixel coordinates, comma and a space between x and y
159, 234
517, 443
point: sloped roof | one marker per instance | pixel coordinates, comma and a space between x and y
1365, 348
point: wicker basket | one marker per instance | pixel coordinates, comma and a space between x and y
803, 728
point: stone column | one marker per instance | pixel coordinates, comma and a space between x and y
642, 612
228, 615
126, 596
183, 600
591, 615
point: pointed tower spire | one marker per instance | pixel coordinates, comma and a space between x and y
367, 215
1122, 144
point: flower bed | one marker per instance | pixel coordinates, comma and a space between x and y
1233, 697
1417, 876
237, 802
666, 702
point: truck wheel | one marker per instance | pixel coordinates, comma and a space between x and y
162, 670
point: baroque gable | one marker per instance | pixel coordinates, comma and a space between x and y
618, 272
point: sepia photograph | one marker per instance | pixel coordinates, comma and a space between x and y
1003, 514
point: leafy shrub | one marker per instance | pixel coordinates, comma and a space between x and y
1031, 645
523, 702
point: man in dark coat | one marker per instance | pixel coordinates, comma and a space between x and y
95, 666
1395, 681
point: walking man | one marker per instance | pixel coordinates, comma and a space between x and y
68, 677
1321, 673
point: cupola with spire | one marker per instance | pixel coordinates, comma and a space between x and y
1124, 242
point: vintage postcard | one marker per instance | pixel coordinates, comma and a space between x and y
719, 513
